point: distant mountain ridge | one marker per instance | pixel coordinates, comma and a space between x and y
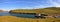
1, 10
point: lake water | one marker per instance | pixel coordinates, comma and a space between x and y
17, 15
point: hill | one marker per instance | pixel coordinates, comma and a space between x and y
1, 10
48, 11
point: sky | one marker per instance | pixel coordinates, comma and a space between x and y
27, 4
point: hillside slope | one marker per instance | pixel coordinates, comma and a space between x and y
49, 11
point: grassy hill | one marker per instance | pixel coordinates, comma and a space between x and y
51, 10
48, 10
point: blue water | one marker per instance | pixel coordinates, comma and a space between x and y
23, 15
17, 15
4, 13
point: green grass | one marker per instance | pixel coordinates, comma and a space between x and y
15, 19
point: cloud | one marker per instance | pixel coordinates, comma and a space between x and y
53, 3
56, 4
